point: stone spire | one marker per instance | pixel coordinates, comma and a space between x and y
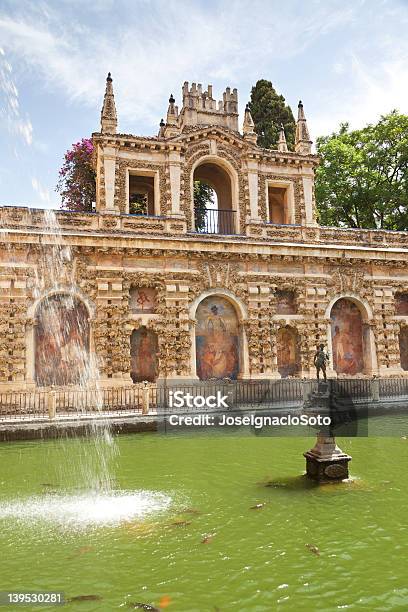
172, 119
303, 144
172, 111
248, 126
109, 119
282, 146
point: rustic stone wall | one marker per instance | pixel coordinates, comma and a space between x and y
103, 277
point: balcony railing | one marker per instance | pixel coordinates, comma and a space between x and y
216, 222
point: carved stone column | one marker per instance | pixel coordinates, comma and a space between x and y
175, 183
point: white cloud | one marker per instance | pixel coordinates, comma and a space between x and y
152, 48
371, 89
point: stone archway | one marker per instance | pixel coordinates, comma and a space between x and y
61, 341
144, 347
222, 215
288, 351
347, 337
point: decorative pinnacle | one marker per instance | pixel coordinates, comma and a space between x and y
109, 119
303, 143
248, 126
282, 146
171, 99
162, 124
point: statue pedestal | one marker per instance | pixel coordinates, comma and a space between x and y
326, 462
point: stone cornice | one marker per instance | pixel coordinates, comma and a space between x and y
182, 141
26, 225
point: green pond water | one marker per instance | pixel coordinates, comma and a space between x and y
179, 525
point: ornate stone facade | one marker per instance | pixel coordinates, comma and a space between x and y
112, 252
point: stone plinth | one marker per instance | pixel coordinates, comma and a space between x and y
326, 462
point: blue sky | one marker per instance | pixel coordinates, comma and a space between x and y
347, 61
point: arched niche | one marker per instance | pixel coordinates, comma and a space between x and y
61, 341
217, 339
143, 355
349, 346
403, 347
288, 351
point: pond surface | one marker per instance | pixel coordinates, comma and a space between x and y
177, 530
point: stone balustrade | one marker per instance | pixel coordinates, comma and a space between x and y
94, 223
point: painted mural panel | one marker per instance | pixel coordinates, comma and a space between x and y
403, 346
143, 354
287, 349
61, 341
142, 300
217, 336
347, 337
401, 304
285, 302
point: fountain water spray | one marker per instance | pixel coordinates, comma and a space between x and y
64, 320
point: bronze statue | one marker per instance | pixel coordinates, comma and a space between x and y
320, 359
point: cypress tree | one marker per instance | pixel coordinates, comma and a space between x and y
268, 110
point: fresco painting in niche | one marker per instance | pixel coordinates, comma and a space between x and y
61, 341
143, 354
403, 346
287, 349
217, 347
401, 304
285, 302
347, 337
142, 300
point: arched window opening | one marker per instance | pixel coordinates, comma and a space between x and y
347, 337
143, 355
213, 210
288, 352
61, 341
217, 339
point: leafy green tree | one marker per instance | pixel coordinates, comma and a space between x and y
203, 195
268, 110
77, 177
362, 180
